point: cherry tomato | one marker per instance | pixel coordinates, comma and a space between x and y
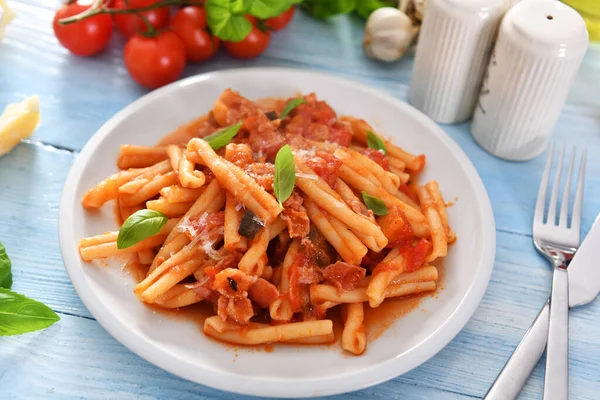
129, 24
251, 18
251, 46
86, 37
155, 61
189, 24
281, 21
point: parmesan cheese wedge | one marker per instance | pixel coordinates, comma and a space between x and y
6, 16
18, 121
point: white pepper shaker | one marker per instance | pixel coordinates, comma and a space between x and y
540, 47
453, 50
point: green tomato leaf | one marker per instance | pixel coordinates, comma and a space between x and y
285, 174
375, 142
139, 226
5, 271
364, 8
222, 137
224, 22
19, 314
291, 105
264, 9
326, 8
374, 204
241, 6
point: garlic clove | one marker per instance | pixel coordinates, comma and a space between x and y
388, 34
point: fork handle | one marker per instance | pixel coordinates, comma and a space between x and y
521, 363
556, 381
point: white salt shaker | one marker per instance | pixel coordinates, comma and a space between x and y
540, 47
453, 50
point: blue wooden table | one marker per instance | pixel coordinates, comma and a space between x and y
76, 358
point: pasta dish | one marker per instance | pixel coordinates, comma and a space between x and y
274, 212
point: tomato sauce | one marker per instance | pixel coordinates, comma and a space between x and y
312, 120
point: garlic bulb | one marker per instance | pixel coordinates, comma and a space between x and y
419, 6
388, 34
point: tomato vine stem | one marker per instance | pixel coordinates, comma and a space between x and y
98, 7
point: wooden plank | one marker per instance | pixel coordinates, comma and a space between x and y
94, 89
30, 182
76, 358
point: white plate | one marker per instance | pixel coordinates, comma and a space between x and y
179, 346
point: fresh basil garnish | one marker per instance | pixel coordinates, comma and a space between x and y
374, 204
374, 142
264, 9
5, 269
20, 314
139, 226
222, 137
291, 105
326, 8
226, 19
285, 174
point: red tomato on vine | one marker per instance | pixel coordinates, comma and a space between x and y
281, 21
251, 46
189, 24
83, 38
130, 24
155, 61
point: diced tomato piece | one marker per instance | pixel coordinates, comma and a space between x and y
378, 157
395, 226
344, 276
263, 293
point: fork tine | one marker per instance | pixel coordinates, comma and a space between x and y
578, 200
551, 219
564, 207
538, 216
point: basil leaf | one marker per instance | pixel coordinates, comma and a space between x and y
224, 22
290, 106
326, 8
264, 9
139, 226
374, 142
5, 272
19, 314
285, 174
222, 137
364, 8
374, 204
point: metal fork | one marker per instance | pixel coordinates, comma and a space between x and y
558, 242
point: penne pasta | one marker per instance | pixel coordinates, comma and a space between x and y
354, 339
270, 334
131, 156
433, 190
436, 226
238, 183
416, 218
337, 234
258, 245
188, 176
281, 309
171, 210
328, 296
180, 295
178, 194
